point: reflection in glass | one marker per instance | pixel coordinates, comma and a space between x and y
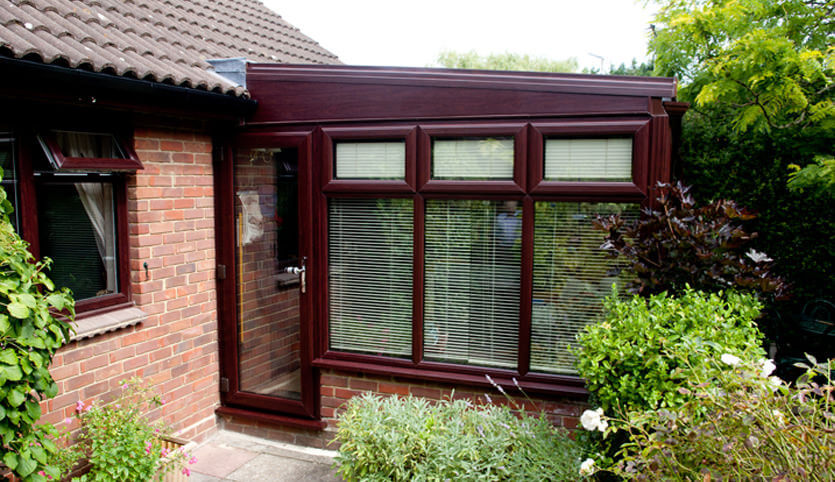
78, 231
266, 220
370, 275
472, 282
571, 276
473, 159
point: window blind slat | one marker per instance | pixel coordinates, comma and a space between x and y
471, 312
371, 160
588, 159
370, 275
571, 277
490, 158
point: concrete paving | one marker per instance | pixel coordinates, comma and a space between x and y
242, 458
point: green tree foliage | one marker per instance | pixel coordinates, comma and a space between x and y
760, 76
29, 337
505, 61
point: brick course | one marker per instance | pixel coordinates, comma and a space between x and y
171, 226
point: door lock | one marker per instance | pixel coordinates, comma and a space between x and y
300, 271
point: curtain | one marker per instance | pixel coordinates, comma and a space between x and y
97, 199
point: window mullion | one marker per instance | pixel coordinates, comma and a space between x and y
526, 286
418, 279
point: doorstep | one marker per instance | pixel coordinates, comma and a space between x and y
232, 456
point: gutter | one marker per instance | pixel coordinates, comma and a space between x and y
47, 82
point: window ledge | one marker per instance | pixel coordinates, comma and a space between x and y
94, 325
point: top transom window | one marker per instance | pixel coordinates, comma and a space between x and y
489, 158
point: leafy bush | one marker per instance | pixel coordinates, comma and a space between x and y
645, 349
736, 424
405, 439
675, 244
30, 334
120, 442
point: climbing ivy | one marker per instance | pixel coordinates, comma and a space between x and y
30, 333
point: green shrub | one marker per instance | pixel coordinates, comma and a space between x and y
29, 337
405, 439
645, 349
120, 442
736, 424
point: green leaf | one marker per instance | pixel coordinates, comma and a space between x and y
15, 397
39, 454
10, 459
4, 324
8, 356
11, 372
18, 310
33, 409
25, 464
56, 300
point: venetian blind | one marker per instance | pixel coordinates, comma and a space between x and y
472, 271
588, 159
371, 160
571, 276
370, 275
477, 159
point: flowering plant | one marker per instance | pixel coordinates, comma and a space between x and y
740, 423
120, 441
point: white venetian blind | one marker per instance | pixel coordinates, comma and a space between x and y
370, 275
477, 159
472, 271
571, 276
588, 159
371, 160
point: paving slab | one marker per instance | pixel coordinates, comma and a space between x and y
230, 456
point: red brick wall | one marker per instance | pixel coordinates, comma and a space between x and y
171, 226
337, 387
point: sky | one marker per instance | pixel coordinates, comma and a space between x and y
412, 34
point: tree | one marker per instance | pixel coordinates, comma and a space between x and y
771, 61
760, 76
505, 61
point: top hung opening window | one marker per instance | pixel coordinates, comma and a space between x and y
80, 216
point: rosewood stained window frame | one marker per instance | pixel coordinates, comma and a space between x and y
332, 136
637, 129
129, 163
28, 147
527, 186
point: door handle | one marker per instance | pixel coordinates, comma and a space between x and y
300, 271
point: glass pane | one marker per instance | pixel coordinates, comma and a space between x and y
588, 159
371, 160
266, 215
77, 228
571, 276
9, 183
87, 144
370, 275
472, 282
473, 159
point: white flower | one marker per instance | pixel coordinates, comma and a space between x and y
590, 419
758, 257
778, 415
731, 360
587, 467
775, 383
768, 368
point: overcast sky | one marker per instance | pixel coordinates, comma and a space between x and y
411, 34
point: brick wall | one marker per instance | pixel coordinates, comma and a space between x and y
337, 387
171, 226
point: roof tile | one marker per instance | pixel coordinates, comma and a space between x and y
159, 40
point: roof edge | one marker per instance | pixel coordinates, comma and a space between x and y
662, 87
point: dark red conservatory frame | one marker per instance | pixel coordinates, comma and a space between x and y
319, 106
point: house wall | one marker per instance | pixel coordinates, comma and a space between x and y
172, 229
337, 387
